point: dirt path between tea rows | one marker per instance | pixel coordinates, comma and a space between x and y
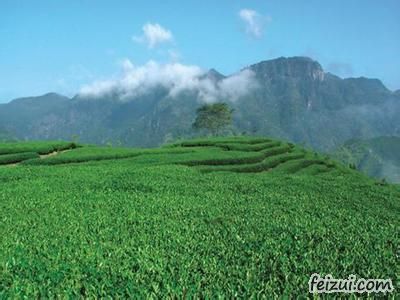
42, 156
53, 153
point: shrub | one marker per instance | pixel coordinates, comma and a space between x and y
17, 157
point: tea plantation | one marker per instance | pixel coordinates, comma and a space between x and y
224, 217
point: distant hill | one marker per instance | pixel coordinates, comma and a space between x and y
5, 136
378, 157
292, 99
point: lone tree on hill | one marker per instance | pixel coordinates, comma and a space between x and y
213, 117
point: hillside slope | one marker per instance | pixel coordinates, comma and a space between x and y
290, 98
378, 157
206, 218
5, 136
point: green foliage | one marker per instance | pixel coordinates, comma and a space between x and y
266, 164
86, 154
91, 153
38, 147
249, 147
6, 159
213, 117
222, 140
15, 152
142, 224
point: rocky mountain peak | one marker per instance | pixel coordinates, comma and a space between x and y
214, 75
294, 67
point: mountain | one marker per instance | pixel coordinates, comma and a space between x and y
32, 117
378, 157
214, 75
5, 136
291, 98
300, 102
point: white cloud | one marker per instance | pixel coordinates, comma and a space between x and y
154, 34
138, 80
254, 22
238, 84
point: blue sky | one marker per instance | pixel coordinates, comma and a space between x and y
60, 45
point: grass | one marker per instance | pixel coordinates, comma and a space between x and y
145, 223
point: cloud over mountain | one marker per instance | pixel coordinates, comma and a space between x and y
176, 77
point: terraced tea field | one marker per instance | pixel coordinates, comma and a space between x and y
231, 217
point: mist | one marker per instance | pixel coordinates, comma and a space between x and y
134, 81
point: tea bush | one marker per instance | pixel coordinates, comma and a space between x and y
148, 226
18, 157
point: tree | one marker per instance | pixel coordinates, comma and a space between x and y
213, 117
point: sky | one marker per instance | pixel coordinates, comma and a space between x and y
64, 46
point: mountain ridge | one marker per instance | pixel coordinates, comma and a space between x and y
213, 72
296, 66
295, 99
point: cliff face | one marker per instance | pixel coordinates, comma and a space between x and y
302, 68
